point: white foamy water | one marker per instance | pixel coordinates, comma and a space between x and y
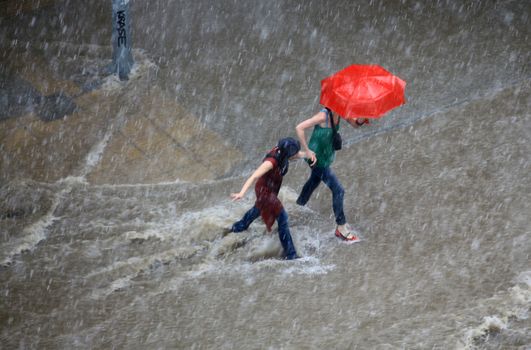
509, 309
438, 188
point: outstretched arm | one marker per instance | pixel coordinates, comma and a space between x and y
261, 170
308, 123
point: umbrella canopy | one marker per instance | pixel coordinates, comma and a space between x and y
362, 91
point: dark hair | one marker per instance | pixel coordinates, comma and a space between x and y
285, 149
289, 146
330, 114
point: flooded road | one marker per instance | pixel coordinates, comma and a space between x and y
114, 194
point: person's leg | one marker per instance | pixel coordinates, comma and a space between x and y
310, 186
285, 236
338, 193
330, 179
247, 219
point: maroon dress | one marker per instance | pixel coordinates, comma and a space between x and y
266, 190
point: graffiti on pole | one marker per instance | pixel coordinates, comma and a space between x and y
122, 34
122, 58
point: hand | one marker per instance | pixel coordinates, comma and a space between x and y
311, 156
236, 196
362, 121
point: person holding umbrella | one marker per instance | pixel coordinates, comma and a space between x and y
268, 177
354, 93
321, 155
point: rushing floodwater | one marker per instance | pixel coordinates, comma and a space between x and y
111, 219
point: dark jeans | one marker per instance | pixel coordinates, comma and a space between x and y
327, 176
283, 229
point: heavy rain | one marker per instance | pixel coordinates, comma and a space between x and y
125, 126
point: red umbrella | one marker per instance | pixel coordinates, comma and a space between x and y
362, 91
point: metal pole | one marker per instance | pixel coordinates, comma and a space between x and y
122, 59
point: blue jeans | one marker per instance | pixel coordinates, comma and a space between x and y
327, 176
283, 229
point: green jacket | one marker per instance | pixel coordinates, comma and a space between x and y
321, 144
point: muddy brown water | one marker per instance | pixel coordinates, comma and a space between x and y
111, 218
